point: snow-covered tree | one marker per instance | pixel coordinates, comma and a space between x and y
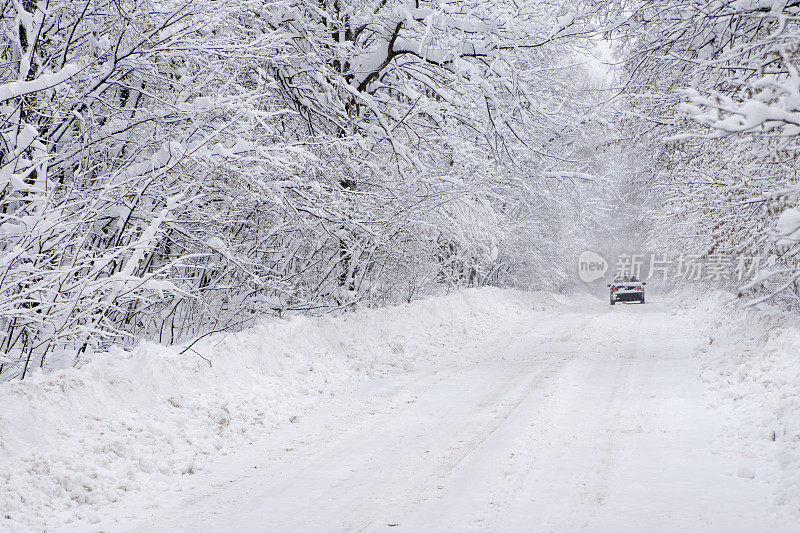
718, 80
172, 167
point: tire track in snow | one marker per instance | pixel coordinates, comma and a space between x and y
618, 400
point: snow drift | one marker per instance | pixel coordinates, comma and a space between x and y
751, 362
74, 441
77, 439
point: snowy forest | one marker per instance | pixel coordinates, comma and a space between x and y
217, 215
172, 168
169, 168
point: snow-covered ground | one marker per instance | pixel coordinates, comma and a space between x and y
484, 410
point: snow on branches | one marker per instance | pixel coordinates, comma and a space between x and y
172, 167
720, 81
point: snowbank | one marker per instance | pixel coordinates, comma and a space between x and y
78, 439
751, 363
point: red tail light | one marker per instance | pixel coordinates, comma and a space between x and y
639, 288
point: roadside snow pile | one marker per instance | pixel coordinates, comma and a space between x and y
752, 363
77, 439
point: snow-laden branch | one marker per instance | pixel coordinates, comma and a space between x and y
15, 89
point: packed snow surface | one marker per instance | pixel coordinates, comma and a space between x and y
483, 410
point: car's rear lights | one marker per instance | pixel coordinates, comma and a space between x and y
639, 288
613, 288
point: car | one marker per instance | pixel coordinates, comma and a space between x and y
626, 289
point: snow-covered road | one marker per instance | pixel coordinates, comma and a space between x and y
594, 419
